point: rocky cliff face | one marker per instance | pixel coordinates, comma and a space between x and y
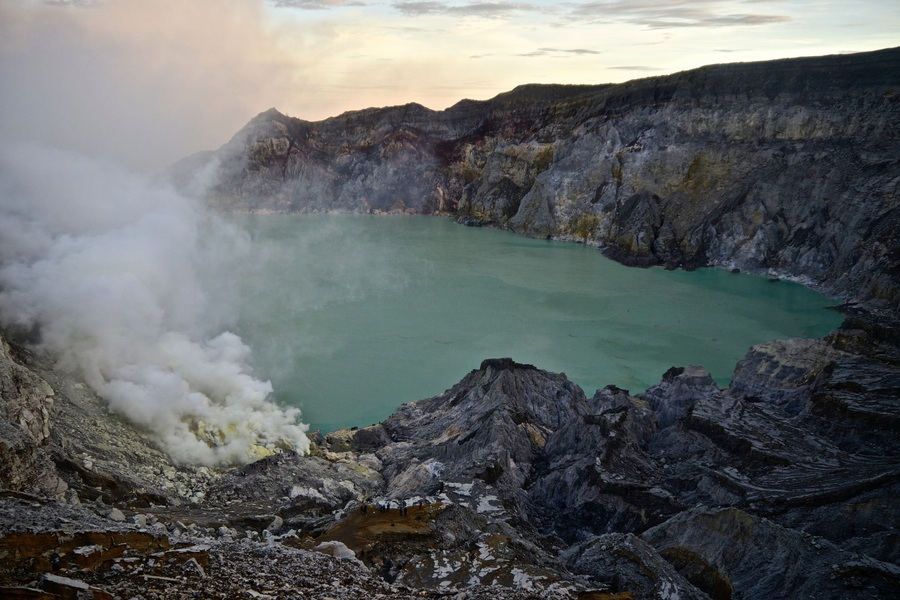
787, 166
511, 484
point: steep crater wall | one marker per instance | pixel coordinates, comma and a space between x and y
787, 166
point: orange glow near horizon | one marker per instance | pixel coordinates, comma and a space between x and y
147, 83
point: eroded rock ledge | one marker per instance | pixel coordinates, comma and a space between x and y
513, 483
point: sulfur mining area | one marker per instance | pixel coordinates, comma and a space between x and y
516, 483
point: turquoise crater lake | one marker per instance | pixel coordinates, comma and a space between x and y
352, 315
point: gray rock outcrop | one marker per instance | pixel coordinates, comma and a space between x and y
791, 451
729, 553
25, 425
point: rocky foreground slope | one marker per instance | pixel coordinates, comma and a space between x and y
788, 165
512, 484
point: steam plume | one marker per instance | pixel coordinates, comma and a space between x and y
125, 282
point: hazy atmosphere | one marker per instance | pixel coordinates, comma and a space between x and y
145, 83
127, 283
494, 300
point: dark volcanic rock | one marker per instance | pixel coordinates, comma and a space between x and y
25, 429
626, 563
595, 477
614, 464
491, 426
53, 551
729, 553
704, 167
304, 492
514, 485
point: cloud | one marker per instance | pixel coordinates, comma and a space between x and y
559, 51
634, 68
69, 3
315, 4
737, 20
471, 9
145, 83
665, 14
416, 9
126, 284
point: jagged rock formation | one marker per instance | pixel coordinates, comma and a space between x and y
120, 521
25, 429
789, 166
511, 484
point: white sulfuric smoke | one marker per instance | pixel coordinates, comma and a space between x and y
126, 283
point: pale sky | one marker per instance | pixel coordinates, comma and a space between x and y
147, 82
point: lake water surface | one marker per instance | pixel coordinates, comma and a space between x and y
352, 315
